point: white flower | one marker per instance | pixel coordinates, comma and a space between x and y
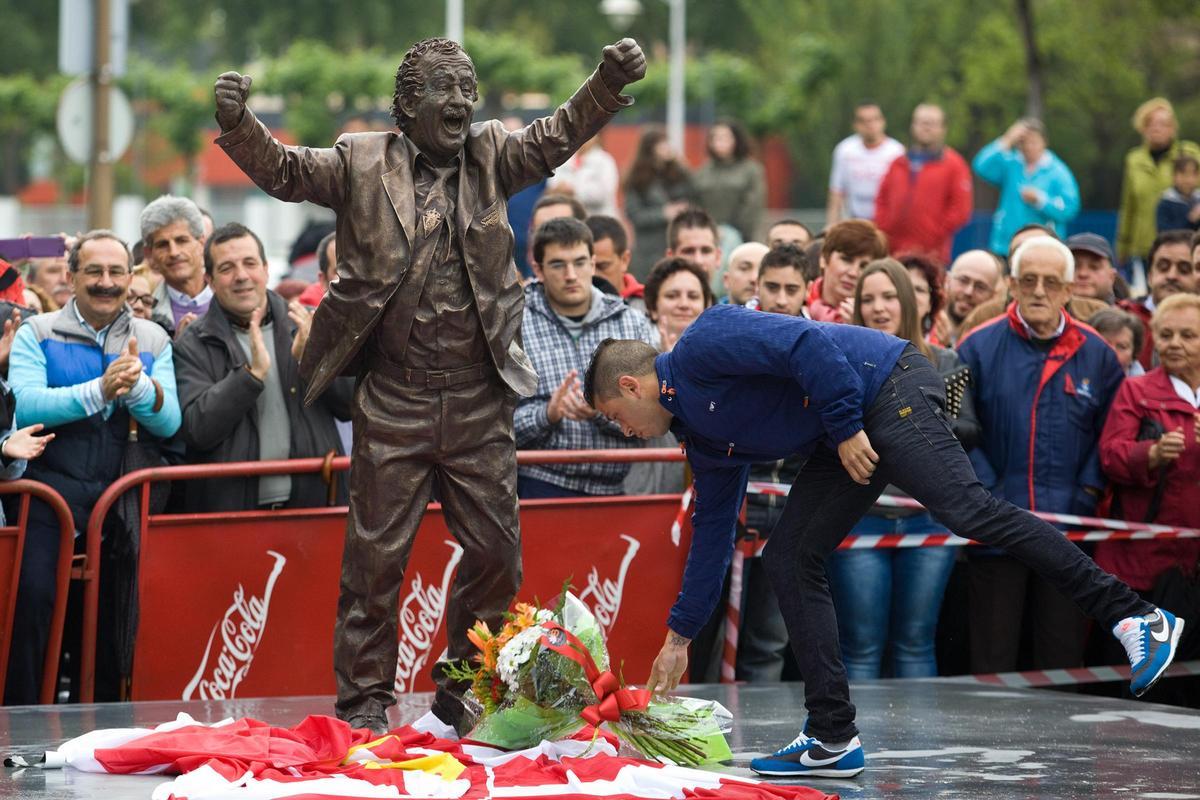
514, 655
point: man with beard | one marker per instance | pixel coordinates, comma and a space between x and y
426, 312
1170, 271
84, 372
971, 282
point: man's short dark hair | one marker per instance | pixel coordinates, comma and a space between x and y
91, 236
323, 251
612, 359
410, 81
553, 199
784, 256
1111, 320
225, 233
1178, 236
691, 217
791, 221
604, 227
664, 269
562, 231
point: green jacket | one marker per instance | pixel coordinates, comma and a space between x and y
734, 193
1141, 188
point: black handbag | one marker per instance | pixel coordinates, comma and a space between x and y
1149, 430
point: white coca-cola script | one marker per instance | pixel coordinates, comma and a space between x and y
604, 596
422, 612
242, 628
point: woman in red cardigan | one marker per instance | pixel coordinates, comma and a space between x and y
1150, 449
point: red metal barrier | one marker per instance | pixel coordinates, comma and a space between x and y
286, 563
12, 547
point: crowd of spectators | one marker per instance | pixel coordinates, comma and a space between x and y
1072, 394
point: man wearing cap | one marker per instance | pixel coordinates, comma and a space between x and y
1095, 275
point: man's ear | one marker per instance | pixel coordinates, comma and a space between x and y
408, 105
630, 385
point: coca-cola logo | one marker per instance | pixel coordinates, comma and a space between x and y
421, 614
604, 596
242, 628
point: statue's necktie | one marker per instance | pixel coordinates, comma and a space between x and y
436, 202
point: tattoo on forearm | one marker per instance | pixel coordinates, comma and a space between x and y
679, 641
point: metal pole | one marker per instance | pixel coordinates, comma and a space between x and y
675, 85
100, 188
454, 20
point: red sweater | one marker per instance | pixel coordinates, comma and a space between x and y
921, 215
1126, 462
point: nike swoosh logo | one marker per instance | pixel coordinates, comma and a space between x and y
809, 761
1166, 632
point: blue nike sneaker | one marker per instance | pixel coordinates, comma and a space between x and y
1150, 642
806, 756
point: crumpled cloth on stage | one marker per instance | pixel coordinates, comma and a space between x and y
323, 757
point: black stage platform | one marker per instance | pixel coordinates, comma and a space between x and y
924, 738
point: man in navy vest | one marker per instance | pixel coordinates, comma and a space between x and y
867, 409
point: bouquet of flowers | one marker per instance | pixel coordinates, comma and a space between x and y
546, 674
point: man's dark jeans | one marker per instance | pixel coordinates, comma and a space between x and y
917, 451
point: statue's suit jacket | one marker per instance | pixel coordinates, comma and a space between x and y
367, 179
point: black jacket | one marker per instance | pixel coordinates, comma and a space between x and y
217, 396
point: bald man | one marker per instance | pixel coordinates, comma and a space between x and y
741, 276
972, 281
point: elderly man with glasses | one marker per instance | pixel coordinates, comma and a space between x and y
1042, 384
85, 372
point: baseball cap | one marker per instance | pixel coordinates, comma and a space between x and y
1091, 243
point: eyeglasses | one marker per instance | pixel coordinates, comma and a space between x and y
976, 287
145, 299
1051, 284
94, 273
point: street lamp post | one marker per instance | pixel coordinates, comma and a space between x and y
454, 20
622, 12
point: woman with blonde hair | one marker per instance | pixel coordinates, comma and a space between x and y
889, 598
1148, 173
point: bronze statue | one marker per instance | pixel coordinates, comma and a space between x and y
426, 312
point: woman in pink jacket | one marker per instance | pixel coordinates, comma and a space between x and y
1150, 450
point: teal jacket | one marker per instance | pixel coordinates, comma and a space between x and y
1058, 193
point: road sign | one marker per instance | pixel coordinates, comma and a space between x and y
74, 121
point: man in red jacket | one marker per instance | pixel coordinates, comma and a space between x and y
925, 197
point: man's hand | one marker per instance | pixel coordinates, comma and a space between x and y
6, 339
670, 664
260, 359
567, 401
858, 457
943, 328
122, 373
624, 63
300, 315
231, 91
1168, 448
24, 444
184, 321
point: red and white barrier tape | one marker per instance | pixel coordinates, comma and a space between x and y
1069, 677
1109, 529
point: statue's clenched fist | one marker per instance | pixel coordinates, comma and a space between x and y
231, 91
624, 63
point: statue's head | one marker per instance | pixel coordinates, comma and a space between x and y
435, 97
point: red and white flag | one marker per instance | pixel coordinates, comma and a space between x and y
323, 757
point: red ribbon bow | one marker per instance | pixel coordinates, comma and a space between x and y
611, 699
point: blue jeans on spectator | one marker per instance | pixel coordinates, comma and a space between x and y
890, 596
534, 489
918, 452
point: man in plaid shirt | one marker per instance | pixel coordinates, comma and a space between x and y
566, 318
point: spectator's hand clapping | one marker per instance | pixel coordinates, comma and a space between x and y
6, 339
567, 401
302, 316
184, 321
1168, 448
260, 359
24, 444
122, 373
231, 91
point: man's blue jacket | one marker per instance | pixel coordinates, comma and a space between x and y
746, 387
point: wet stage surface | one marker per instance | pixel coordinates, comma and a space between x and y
924, 738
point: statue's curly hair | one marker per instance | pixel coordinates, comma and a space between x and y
409, 79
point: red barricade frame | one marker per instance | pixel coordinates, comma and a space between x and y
320, 519
12, 539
